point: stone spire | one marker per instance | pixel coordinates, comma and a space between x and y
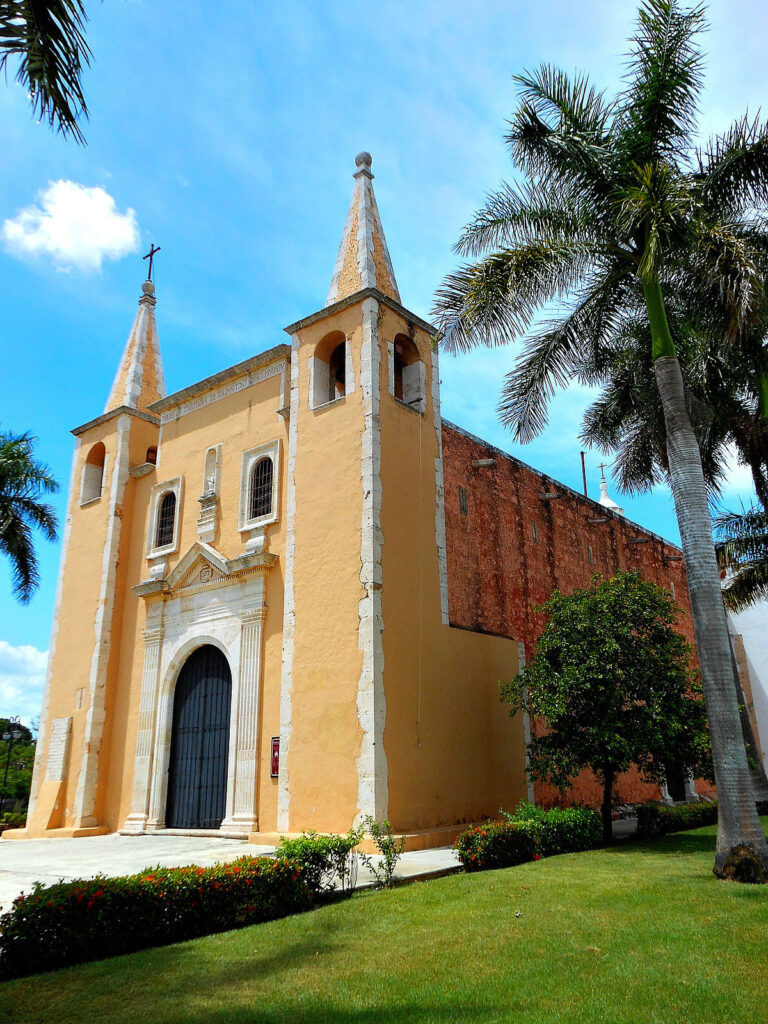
605, 500
139, 380
363, 260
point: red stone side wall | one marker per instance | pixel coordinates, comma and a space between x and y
500, 568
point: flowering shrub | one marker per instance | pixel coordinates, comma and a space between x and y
72, 922
327, 861
561, 829
658, 819
496, 844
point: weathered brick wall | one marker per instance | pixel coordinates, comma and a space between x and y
513, 547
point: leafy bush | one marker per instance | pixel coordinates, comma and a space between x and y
325, 859
659, 819
72, 922
388, 846
561, 829
13, 819
496, 844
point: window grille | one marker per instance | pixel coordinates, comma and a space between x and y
165, 520
260, 497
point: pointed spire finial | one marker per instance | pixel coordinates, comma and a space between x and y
139, 381
363, 260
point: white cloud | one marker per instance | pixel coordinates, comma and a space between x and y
75, 225
22, 676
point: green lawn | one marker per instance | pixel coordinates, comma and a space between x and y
636, 935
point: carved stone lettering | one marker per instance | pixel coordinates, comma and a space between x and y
58, 749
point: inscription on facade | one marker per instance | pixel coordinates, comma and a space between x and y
58, 748
232, 388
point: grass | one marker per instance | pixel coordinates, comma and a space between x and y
630, 934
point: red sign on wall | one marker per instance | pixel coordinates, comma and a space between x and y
275, 756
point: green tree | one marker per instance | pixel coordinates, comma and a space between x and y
618, 208
23, 480
612, 684
16, 786
47, 38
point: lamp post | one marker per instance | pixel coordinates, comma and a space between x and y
12, 733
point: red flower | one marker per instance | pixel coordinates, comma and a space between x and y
537, 857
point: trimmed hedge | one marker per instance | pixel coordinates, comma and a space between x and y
326, 860
497, 844
561, 829
659, 819
72, 922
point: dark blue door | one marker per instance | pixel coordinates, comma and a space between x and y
197, 781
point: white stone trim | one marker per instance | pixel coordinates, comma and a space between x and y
145, 738
442, 560
230, 618
39, 765
289, 606
244, 816
209, 503
85, 795
373, 785
158, 492
271, 449
319, 379
232, 388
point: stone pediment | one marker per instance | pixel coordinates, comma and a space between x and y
204, 566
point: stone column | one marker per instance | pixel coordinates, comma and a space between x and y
244, 815
145, 738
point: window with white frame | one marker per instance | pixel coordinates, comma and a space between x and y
164, 517
259, 485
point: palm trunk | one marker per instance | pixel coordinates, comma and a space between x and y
756, 770
741, 852
607, 809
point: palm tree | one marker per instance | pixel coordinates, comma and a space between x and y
22, 481
615, 209
742, 548
47, 37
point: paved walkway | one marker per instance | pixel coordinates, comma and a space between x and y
24, 862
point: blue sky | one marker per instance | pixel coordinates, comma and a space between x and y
230, 142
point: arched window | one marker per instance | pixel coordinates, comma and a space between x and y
166, 517
407, 372
260, 491
328, 369
337, 372
93, 473
151, 455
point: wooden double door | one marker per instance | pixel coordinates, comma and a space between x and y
197, 780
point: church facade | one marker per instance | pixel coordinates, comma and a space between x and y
288, 592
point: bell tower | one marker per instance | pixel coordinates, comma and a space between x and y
71, 761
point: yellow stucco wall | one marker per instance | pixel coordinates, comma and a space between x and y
453, 754
327, 662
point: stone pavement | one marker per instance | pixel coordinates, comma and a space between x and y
24, 862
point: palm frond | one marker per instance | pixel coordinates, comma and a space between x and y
47, 37
493, 301
552, 357
524, 213
733, 168
665, 77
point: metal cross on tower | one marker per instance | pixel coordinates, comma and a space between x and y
602, 467
150, 256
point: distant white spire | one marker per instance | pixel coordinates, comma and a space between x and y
363, 260
605, 500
